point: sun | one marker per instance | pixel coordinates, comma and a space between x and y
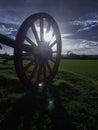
48, 35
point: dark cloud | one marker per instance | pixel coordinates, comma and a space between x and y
63, 9
71, 16
71, 9
87, 30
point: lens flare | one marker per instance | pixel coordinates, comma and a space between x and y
51, 104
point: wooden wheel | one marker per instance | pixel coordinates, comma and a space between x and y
37, 49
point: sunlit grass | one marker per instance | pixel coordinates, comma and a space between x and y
87, 68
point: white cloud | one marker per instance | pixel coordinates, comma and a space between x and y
63, 36
7, 30
85, 24
79, 46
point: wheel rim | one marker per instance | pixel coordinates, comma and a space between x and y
37, 49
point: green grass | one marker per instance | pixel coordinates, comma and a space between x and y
87, 68
8, 65
74, 93
79, 95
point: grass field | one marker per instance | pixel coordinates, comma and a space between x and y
70, 102
87, 68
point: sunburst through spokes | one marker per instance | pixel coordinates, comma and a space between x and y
42, 37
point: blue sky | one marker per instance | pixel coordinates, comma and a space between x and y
77, 20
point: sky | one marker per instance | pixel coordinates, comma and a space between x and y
77, 21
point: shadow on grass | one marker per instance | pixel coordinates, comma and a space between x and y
40, 109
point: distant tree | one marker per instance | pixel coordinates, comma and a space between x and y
69, 53
5, 56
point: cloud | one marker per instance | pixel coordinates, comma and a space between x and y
78, 31
79, 46
85, 29
62, 9
7, 30
85, 24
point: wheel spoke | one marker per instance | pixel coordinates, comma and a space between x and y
53, 60
27, 48
48, 28
52, 44
41, 29
54, 32
44, 71
49, 68
39, 73
28, 65
54, 51
27, 54
33, 72
35, 33
31, 42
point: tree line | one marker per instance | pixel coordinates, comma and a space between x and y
71, 55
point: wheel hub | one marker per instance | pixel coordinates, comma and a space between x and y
45, 52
